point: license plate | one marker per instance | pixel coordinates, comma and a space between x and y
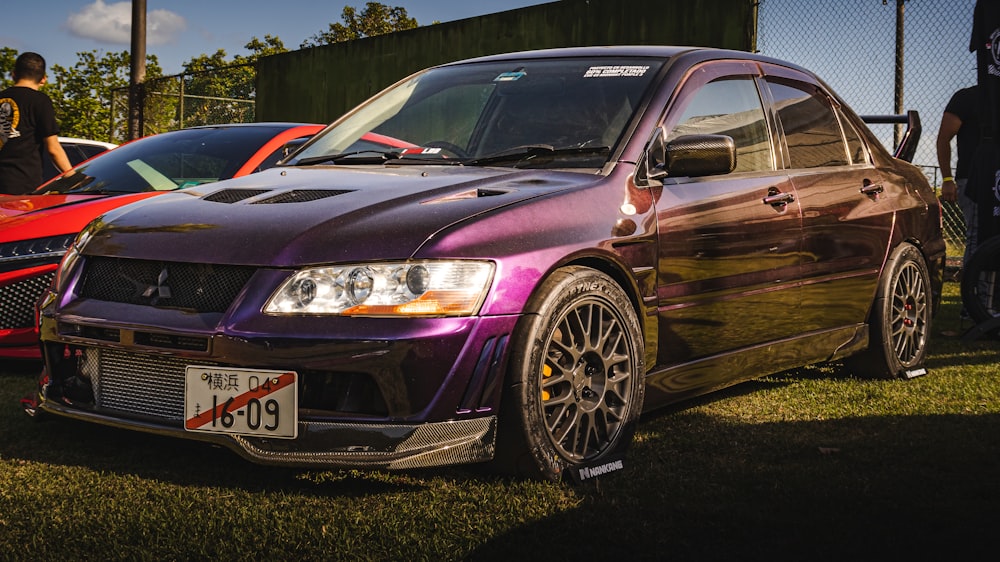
241, 401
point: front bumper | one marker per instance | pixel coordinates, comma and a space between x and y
386, 397
331, 444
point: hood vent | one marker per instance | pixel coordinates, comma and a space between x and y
300, 196
234, 195
468, 194
231, 196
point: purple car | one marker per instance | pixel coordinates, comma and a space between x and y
542, 246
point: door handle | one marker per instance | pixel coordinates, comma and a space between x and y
872, 189
776, 198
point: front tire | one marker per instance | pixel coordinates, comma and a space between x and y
900, 322
575, 378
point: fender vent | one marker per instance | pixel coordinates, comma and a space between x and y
488, 373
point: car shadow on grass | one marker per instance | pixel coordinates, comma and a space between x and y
697, 487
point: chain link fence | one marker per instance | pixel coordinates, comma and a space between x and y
210, 97
852, 45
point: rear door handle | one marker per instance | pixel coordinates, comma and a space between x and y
872, 189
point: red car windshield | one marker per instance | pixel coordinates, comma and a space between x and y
167, 161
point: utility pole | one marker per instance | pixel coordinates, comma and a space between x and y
137, 74
898, 107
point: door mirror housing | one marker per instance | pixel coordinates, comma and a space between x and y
689, 155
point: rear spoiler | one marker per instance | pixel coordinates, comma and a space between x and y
908, 146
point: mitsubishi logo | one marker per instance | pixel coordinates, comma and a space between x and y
158, 291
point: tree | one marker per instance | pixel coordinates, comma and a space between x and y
7, 58
218, 90
89, 97
375, 19
82, 95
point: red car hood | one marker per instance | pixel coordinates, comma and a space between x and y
24, 217
15, 205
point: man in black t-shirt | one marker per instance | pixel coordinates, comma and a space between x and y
984, 175
960, 121
27, 127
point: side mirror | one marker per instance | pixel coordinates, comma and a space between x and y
290, 147
690, 155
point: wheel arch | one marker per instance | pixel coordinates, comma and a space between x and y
519, 449
621, 275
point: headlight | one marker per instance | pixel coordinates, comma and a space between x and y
420, 288
38, 248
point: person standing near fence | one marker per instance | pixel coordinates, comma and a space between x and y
984, 179
960, 121
27, 127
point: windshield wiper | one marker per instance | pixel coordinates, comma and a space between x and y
377, 156
519, 154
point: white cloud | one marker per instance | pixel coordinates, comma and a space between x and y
112, 23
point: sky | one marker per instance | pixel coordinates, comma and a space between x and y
179, 30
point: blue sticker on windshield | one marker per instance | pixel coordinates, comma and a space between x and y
510, 76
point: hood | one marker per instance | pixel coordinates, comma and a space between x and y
27, 217
302, 216
16, 205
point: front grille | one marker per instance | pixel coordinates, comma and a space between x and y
167, 341
147, 385
17, 301
198, 287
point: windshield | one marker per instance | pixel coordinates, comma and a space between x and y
167, 161
562, 113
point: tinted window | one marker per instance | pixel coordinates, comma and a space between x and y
283, 151
449, 114
90, 150
810, 124
578, 108
855, 146
76, 153
731, 107
167, 161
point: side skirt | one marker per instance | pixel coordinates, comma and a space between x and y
678, 382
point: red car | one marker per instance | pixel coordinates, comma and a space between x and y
36, 229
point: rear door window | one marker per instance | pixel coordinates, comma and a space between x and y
812, 130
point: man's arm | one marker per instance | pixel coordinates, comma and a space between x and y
59, 157
950, 124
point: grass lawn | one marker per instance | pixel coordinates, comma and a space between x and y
812, 464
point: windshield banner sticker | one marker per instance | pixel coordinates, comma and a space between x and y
615, 71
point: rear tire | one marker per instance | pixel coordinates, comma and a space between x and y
575, 378
900, 321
